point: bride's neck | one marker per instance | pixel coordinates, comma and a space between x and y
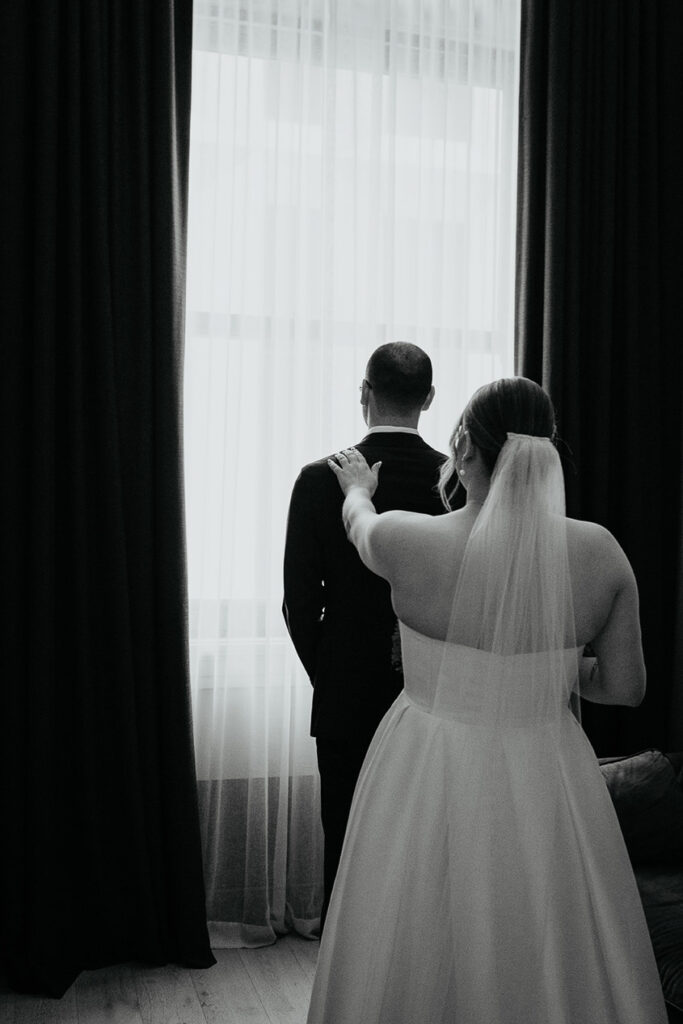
476, 494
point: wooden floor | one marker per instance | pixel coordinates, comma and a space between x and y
271, 985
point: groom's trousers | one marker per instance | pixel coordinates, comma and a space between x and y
339, 764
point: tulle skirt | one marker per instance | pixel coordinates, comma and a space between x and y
484, 880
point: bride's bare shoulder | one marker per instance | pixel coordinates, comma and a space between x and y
419, 522
589, 534
388, 526
594, 548
396, 538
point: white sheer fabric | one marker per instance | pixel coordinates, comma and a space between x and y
352, 181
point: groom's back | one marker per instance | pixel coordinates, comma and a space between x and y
339, 613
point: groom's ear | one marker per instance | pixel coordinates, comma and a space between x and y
429, 399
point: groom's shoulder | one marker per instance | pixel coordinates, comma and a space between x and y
433, 454
317, 479
318, 475
318, 470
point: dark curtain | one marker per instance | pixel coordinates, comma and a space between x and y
101, 857
600, 295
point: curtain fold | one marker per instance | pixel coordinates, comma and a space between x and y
352, 182
101, 857
599, 302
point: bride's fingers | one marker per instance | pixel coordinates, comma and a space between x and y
351, 459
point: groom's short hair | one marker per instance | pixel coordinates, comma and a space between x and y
400, 374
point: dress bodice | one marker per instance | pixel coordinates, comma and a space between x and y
467, 684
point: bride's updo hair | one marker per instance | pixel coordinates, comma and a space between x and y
513, 405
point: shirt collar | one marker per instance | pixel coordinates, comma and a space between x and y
393, 430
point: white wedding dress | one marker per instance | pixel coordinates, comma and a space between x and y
484, 878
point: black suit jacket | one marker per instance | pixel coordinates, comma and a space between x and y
338, 613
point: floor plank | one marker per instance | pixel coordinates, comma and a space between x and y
167, 995
281, 982
21, 1009
108, 996
270, 985
226, 992
306, 952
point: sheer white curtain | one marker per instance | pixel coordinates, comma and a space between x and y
352, 181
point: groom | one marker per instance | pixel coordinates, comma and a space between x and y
338, 613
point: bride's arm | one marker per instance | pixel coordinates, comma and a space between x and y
359, 516
617, 675
369, 531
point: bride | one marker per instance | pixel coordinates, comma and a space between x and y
484, 878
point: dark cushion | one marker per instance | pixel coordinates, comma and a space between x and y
647, 793
662, 895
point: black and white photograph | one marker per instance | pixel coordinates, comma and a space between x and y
342, 450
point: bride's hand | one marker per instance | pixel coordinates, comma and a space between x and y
352, 470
